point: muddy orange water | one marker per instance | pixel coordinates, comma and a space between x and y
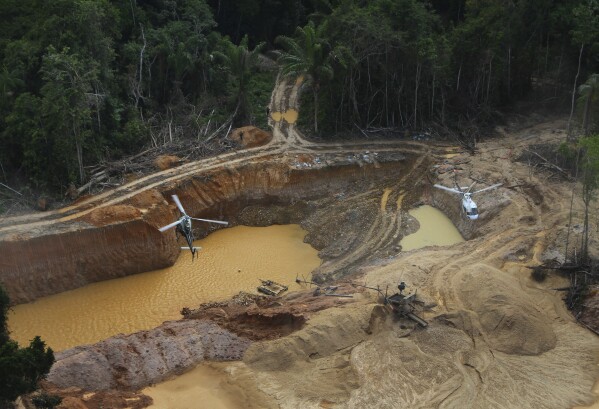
435, 230
290, 116
203, 384
231, 260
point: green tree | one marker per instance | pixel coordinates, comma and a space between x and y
69, 99
590, 184
241, 62
4, 307
173, 37
589, 98
25, 139
9, 81
309, 54
20, 368
585, 31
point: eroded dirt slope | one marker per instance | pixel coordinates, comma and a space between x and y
496, 338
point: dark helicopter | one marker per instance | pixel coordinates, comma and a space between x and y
184, 226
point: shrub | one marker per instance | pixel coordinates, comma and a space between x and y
20, 368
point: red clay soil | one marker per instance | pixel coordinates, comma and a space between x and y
76, 398
164, 162
250, 136
258, 317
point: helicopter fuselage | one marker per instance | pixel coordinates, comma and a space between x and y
184, 229
469, 207
183, 226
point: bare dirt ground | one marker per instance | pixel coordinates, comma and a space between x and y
496, 338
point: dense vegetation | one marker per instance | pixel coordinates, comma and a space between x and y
90, 80
20, 368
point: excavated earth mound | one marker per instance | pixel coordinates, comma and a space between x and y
137, 360
250, 136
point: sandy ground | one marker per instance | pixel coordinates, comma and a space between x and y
496, 339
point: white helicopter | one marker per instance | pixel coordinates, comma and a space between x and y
468, 204
184, 226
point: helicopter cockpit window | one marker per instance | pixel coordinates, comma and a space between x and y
472, 212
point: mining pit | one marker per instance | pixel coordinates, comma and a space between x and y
495, 339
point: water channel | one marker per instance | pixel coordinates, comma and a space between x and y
435, 230
231, 260
202, 384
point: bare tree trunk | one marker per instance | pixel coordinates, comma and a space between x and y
98, 109
547, 54
571, 205
386, 87
587, 112
489, 80
399, 93
574, 91
587, 197
457, 87
585, 235
417, 84
353, 97
509, 71
79, 149
442, 106
138, 89
132, 11
559, 68
315, 91
433, 96
569, 224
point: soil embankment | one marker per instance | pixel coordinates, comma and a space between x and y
115, 239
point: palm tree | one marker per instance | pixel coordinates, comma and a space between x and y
589, 95
307, 54
241, 62
9, 81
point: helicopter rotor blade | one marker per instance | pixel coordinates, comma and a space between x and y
470, 187
169, 226
488, 188
455, 181
210, 221
448, 189
178, 203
